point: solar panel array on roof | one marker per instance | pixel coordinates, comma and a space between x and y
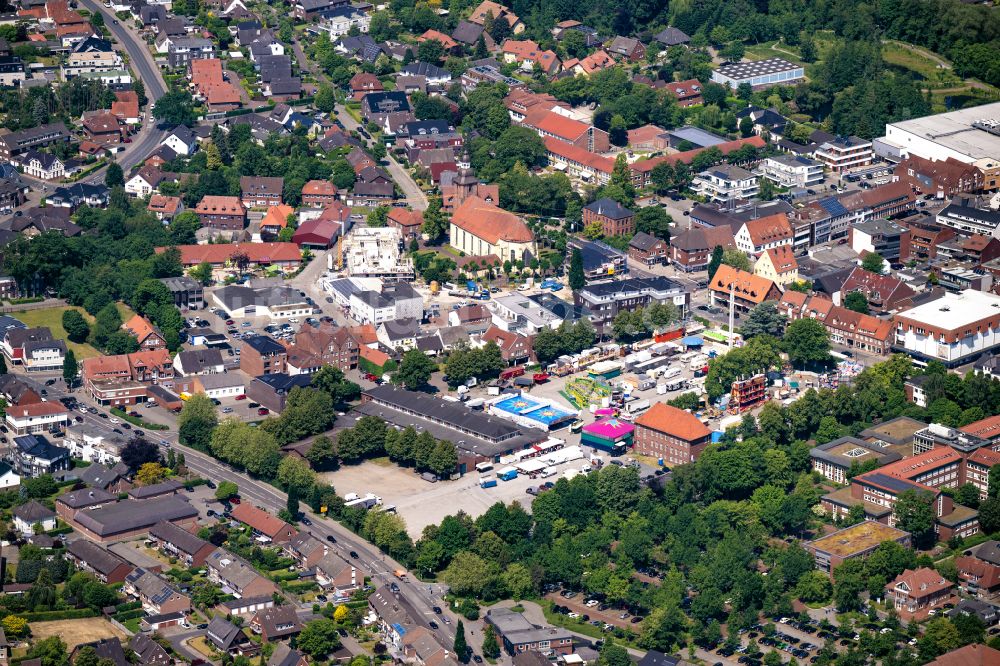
833, 206
892, 482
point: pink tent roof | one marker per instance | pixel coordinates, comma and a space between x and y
609, 428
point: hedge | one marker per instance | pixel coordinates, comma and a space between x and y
137, 421
129, 615
59, 531
71, 614
127, 606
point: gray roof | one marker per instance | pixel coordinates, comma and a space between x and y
151, 586
304, 544
150, 652
78, 499
99, 559
234, 297
285, 656
178, 537
33, 512
426, 69
672, 36
194, 361
155, 490
222, 633
864, 452
264, 344
130, 515
232, 568
643, 241
99, 476
989, 551
609, 208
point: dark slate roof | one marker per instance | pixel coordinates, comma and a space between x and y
643, 241
39, 447
131, 515
222, 633
467, 32
672, 36
426, 69
33, 512
609, 208
180, 538
99, 559
99, 476
281, 382
264, 344
657, 658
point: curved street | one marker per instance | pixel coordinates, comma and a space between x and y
146, 70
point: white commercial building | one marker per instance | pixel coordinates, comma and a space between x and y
792, 171
94, 444
273, 302
725, 182
952, 329
963, 135
520, 314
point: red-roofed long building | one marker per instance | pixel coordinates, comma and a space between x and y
670, 434
558, 126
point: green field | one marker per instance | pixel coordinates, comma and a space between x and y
52, 318
917, 61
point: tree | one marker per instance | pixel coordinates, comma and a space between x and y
378, 217
989, 515
764, 319
325, 100
150, 473
435, 224
461, 647
577, 279
873, 263
226, 490
915, 514
654, 221
319, 638
76, 326
715, 261
175, 108
330, 379
767, 192
415, 370
70, 367
295, 474
814, 587
746, 127
322, 455
807, 341
114, 176
108, 323
856, 301
491, 648
140, 451
51, 650
15, 626
197, 421
737, 259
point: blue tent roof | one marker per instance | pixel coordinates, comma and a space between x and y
693, 341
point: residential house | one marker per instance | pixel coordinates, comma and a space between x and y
275, 623
181, 140
265, 526
845, 153
778, 265
146, 334
745, 289
691, 249
688, 92
42, 165
199, 362
35, 419
979, 570
164, 208
514, 347
260, 191
764, 233
33, 514
226, 636
232, 571
629, 48
648, 249
103, 127
883, 292
178, 542
916, 589
671, 36
33, 348
319, 193
518, 635
614, 219
221, 212
156, 594
105, 566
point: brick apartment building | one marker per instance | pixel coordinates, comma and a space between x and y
673, 435
263, 355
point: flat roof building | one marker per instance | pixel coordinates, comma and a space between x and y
953, 329
759, 73
852, 542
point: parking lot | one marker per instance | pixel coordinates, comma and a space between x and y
422, 503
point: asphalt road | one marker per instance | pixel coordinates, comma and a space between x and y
146, 70
381, 567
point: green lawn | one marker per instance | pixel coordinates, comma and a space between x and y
897, 54
773, 50
52, 318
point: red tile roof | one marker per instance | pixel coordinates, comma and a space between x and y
969, 655
277, 216
783, 259
218, 254
574, 153
319, 187
687, 156
212, 204
922, 582
562, 127
444, 39
261, 520
406, 218
987, 428
748, 286
769, 229
126, 104
673, 422
484, 220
